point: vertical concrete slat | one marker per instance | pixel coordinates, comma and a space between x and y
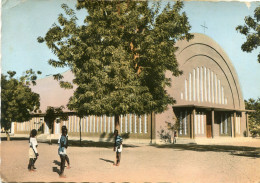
192, 122
234, 123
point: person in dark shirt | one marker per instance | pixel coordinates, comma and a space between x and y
118, 147
62, 151
67, 144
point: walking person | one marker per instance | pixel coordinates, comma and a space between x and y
33, 153
118, 147
62, 151
67, 144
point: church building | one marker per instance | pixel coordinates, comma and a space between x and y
209, 102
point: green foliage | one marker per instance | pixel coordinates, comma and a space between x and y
52, 113
251, 30
119, 55
17, 98
167, 133
254, 117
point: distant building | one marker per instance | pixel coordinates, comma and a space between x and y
209, 101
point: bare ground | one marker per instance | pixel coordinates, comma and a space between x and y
239, 162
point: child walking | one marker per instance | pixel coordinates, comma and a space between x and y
33, 153
67, 144
118, 147
62, 151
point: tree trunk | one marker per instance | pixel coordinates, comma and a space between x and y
7, 135
50, 131
117, 126
80, 131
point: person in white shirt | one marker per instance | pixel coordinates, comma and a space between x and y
33, 153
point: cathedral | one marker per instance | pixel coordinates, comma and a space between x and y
209, 102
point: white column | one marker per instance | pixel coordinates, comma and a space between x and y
205, 84
135, 124
216, 89
195, 123
186, 92
105, 123
209, 86
87, 119
201, 85
130, 123
108, 125
222, 99
113, 124
219, 93
94, 123
189, 86
198, 84
69, 123
12, 128
140, 124
238, 123
145, 123
90, 123
57, 128
97, 123
77, 121
101, 120
212, 88
180, 123
46, 129
226, 126
126, 124
194, 84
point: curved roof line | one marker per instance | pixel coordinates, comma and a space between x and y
229, 65
222, 71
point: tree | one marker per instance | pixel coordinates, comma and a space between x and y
251, 30
254, 117
52, 114
17, 99
119, 56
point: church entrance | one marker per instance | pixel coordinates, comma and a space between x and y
209, 125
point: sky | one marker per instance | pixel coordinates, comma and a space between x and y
24, 20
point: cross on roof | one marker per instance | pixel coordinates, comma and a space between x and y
204, 27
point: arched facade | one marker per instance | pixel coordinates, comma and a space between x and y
209, 101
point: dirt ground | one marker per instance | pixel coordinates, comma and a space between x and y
140, 163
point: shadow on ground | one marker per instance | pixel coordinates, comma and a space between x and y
74, 143
55, 169
106, 160
88, 143
14, 138
253, 152
56, 162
